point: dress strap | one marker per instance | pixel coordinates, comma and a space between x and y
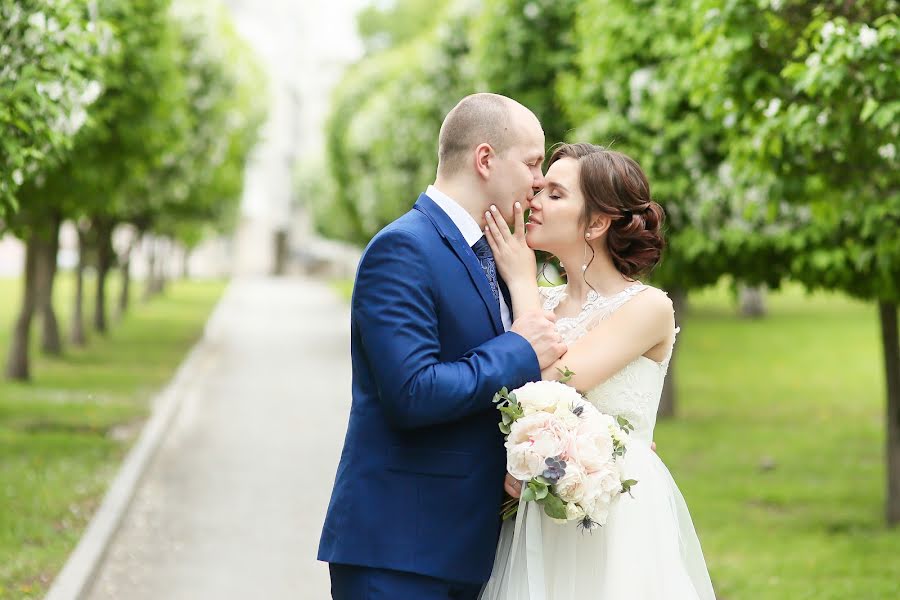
552, 296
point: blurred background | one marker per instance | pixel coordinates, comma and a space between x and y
153, 150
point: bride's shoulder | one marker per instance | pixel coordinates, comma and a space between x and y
654, 302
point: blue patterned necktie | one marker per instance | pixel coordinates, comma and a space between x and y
484, 255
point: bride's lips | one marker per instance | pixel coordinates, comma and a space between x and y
532, 221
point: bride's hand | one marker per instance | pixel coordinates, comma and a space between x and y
515, 260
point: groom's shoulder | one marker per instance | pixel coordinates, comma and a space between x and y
413, 226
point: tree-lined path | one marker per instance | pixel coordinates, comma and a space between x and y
232, 504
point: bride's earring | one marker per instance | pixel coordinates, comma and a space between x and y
587, 236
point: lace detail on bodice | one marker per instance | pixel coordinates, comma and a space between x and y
633, 392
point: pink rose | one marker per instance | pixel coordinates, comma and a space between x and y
531, 441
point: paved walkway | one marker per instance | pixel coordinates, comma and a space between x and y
231, 506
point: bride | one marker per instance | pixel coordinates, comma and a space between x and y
596, 215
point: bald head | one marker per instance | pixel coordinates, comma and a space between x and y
480, 119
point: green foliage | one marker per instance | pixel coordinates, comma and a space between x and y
382, 132
167, 139
633, 90
382, 27
138, 124
51, 71
810, 91
767, 129
521, 49
509, 408
226, 106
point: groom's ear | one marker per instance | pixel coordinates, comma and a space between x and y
484, 154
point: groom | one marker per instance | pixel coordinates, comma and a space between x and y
414, 510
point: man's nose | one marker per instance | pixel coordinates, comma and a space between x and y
538, 184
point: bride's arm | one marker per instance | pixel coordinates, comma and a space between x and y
643, 323
515, 260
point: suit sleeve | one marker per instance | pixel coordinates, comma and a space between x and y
394, 309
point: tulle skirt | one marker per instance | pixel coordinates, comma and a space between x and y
648, 549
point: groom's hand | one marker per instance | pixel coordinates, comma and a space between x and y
512, 486
537, 328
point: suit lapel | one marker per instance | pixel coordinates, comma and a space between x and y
450, 232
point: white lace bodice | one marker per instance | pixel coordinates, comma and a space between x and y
633, 392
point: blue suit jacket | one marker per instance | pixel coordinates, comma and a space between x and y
420, 480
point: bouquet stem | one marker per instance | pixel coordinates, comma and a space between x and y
509, 508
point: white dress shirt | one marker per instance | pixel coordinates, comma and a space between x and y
471, 233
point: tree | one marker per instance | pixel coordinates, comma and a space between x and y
53, 56
50, 56
632, 90
819, 128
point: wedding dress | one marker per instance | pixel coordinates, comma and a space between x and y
648, 549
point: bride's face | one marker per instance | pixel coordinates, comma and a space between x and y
555, 222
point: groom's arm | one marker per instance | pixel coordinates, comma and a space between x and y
395, 311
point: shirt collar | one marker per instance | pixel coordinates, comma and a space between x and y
460, 217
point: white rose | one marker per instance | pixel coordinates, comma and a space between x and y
600, 515
572, 485
593, 444
564, 413
544, 395
574, 512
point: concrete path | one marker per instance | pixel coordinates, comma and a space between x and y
232, 504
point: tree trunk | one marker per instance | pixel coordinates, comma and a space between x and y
279, 267
17, 365
185, 263
667, 400
150, 283
889, 338
125, 292
51, 341
77, 333
752, 301
162, 263
104, 263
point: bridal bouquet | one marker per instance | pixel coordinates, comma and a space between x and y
565, 449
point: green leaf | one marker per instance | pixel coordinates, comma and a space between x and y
565, 375
624, 423
554, 507
869, 107
528, 495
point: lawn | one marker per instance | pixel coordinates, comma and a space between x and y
63, 436
778, 447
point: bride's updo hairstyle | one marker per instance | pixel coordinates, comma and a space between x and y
614, 185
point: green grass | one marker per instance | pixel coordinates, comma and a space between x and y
778, 447
63, 436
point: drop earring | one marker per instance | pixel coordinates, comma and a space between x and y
584, 266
